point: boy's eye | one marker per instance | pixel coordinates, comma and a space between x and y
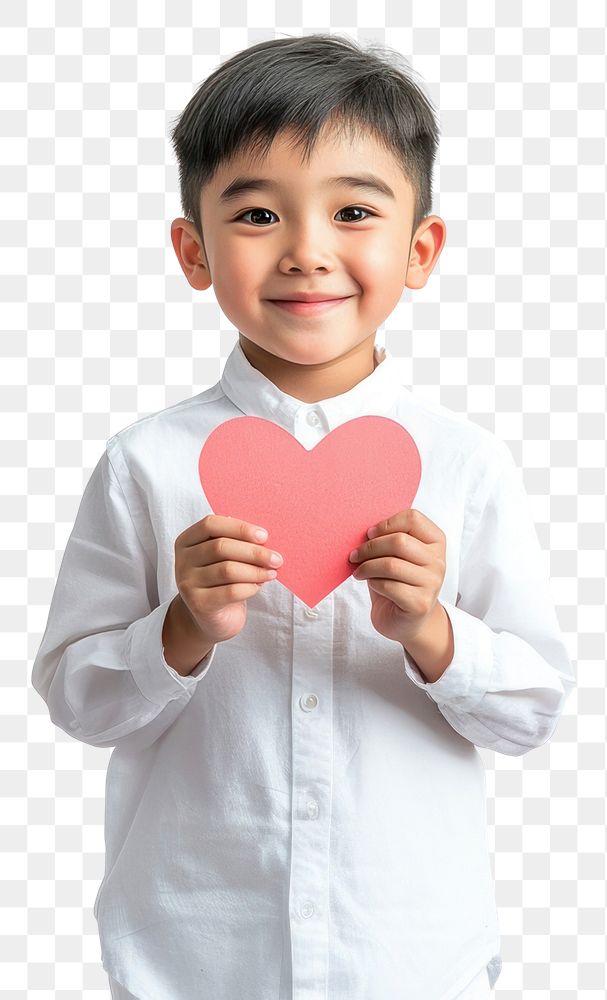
257, 211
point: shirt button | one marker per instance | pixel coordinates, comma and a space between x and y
313, 418
312, 808
308, 702
307, 910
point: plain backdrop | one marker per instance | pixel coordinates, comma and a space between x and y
99, 327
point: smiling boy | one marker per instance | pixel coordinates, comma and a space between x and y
318, 230
295, 802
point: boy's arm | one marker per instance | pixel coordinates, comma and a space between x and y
100, 666
510, 675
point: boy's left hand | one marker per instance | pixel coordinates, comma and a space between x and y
404, 566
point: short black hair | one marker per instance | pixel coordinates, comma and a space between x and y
300, 85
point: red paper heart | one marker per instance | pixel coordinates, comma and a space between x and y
316, 505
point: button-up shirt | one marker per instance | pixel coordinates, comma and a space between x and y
303, 816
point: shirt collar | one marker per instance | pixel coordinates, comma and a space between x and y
255, 395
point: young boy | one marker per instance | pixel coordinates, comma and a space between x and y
295, 803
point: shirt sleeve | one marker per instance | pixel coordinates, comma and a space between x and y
100, 667
510, 675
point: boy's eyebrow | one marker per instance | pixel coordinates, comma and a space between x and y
367, 182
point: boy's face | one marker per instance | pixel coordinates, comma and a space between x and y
303, 234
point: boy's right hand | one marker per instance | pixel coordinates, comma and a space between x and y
219, 563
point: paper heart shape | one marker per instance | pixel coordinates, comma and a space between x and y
316, 505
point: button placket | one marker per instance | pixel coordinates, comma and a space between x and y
312, 750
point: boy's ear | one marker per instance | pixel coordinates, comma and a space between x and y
426, 247
190, 254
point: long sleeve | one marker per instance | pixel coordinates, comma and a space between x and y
510, 675
100, 667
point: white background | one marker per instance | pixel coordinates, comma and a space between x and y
99, 327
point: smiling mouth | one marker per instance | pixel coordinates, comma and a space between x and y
305, 308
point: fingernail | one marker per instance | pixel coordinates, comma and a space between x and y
372, 532
354, 554
261, 534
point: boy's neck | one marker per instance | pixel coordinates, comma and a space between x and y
311, 383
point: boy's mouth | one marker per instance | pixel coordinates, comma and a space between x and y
304, 308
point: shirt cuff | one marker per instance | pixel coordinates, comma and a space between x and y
155, 678
466, 679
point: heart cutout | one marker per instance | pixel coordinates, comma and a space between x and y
316, 505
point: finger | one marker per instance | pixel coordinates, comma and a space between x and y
229, 573
218, 598
392, 569
399, 544
218, 526
413, 522
222, 549
405, 597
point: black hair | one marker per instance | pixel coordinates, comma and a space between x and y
301, 85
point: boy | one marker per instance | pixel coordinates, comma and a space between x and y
295, 805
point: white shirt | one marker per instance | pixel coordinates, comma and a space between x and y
303, 816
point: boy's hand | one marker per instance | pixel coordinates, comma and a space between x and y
404, 566
219, 563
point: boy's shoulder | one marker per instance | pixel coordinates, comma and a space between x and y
455, 433
157, 427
